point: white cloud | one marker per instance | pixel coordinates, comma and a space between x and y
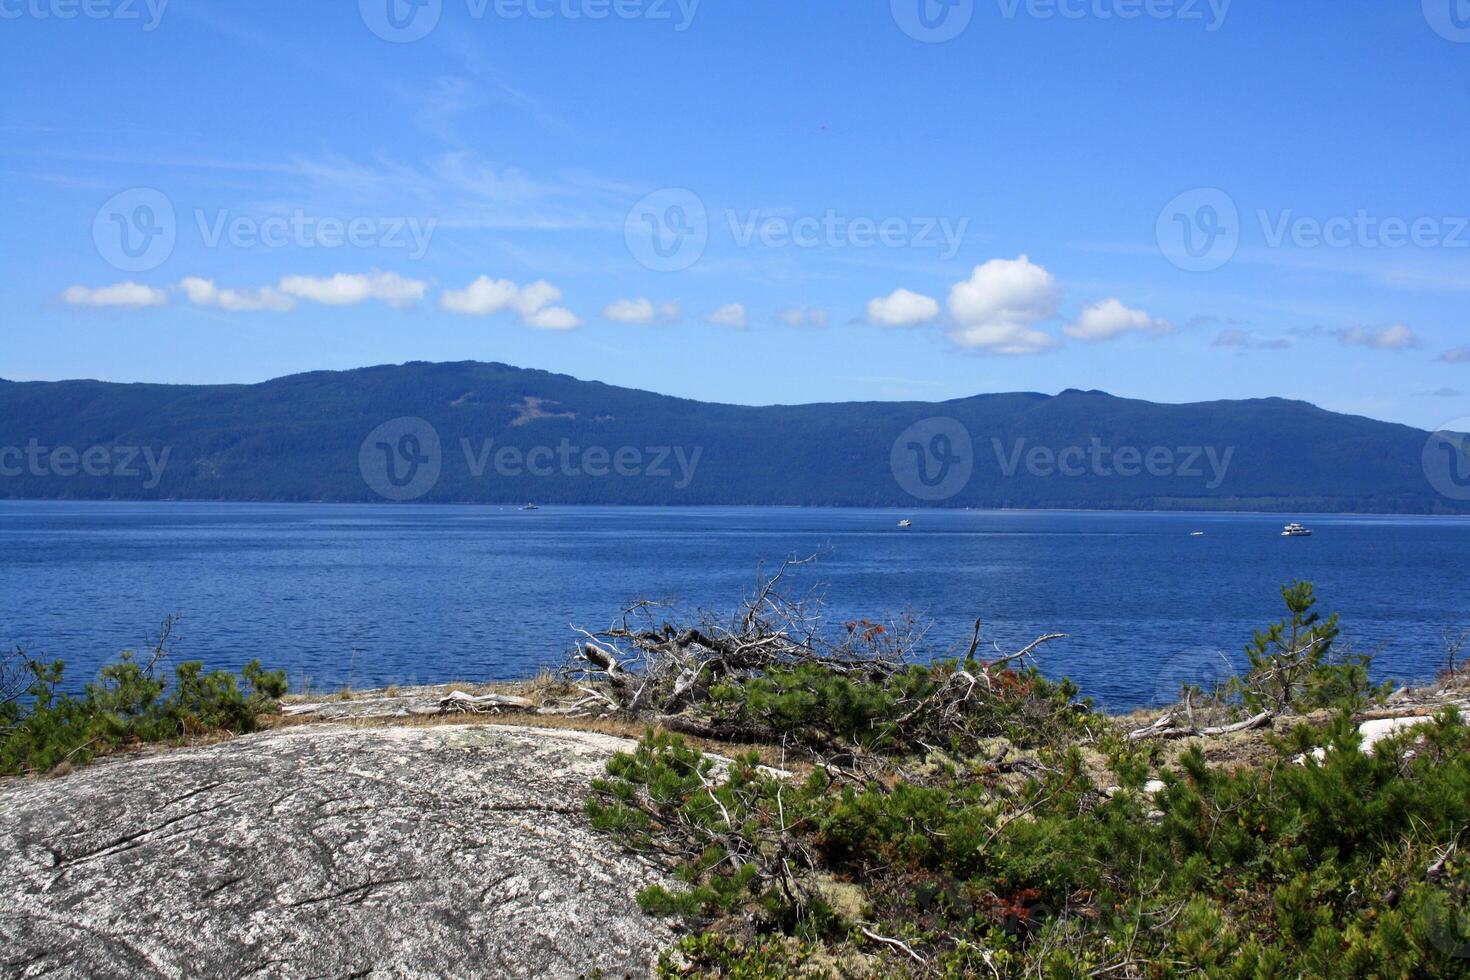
1110, 319
1457, 355
1396, 337
126, 294
730, 315
483, 297
643, 311
902, 308
203, 292
796, 316
532, 302
995, 309
349, 290
553, 318
535, 297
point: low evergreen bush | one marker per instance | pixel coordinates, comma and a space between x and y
936, 862
131, 702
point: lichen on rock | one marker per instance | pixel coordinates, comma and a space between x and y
325, 851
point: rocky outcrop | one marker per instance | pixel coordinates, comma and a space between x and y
325, 851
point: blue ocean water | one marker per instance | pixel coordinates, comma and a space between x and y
371, 595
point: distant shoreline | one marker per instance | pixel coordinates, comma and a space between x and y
918, 508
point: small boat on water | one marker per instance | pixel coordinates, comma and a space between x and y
905, 523
1196, 534
1296, 531
531, 507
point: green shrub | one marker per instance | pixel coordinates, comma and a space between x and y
1340, 867
128, 703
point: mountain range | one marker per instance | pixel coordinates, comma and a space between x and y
492, 433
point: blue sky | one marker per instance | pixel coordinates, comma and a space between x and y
845, 206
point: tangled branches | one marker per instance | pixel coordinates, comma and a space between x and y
771, 673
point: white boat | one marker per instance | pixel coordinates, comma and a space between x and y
530, 507
1296, 531
1196, 534
905, 523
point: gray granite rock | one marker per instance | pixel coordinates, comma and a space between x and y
328, 852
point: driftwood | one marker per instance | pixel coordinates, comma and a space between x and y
482, 703
1165, 728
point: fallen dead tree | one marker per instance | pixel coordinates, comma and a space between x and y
1166, 727
772, 672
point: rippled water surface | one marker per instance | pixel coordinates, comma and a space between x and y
367, 595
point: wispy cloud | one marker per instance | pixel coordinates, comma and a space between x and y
643, 311
128, 295
1395, 337
731, 315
